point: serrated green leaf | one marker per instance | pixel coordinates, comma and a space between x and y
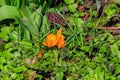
4, 36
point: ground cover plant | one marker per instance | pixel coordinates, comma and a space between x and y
59, 40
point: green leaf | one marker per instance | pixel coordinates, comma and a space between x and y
117, 71
70, 78
118, 43
85, 48
78, 21
4, 36
69, 1
59, 76
30, 27
26, 44
45, 27
72, 8
114, 49
8, 12
14, 35
99, 74
103, 48
5, 77
118, 77
7, 45
13, 75
6, 54
2, 59
7, 29
110, 10
18, 69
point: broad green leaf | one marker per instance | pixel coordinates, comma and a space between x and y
72, 7
8, 12
117, 71
69, 1
110, 10
99, 74
59, 76
38, 16
29, 26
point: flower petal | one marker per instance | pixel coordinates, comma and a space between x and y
51, 40
61, 42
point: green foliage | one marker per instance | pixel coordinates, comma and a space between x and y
8, 12
90, 53
72, 7
69, 1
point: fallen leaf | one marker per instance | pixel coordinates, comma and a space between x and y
55, 18
86, 16
116, 32
81, 8
110, 28
31, 61
89, 37
1, 41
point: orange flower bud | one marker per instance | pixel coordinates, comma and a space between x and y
40, 54
51, 40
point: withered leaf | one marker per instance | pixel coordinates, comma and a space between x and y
55, 18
